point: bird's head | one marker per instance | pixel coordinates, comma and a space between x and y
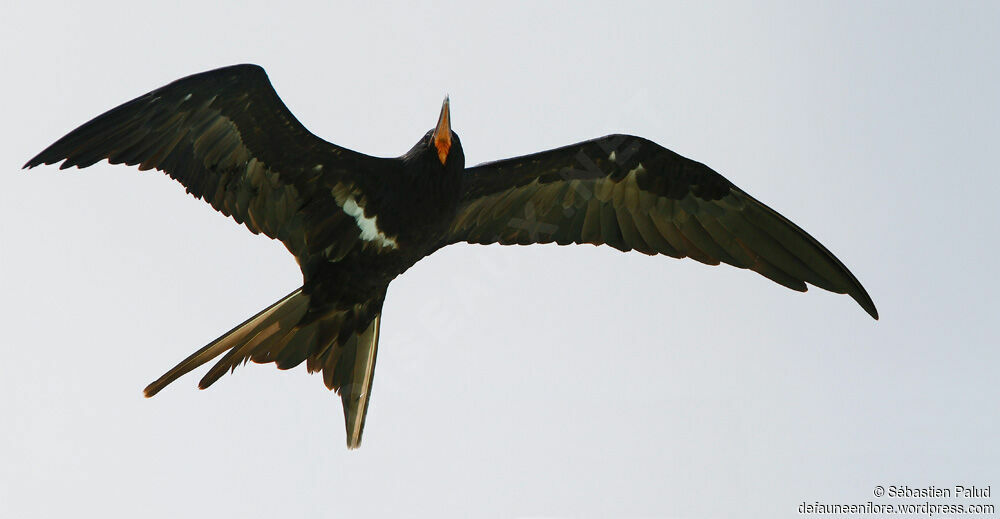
441, 146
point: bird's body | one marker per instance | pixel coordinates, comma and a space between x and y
355, 222
395, 227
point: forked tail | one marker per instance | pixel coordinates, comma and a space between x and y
341, 343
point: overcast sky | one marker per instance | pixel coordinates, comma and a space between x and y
515, 382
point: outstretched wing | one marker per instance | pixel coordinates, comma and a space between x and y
230, 140
633, 194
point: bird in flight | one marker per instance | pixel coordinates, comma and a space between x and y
354, 222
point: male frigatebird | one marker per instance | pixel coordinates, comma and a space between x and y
355, 222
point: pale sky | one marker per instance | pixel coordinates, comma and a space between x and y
516, 382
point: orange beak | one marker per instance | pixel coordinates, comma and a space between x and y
442, 133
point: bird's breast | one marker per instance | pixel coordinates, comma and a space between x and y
417, 212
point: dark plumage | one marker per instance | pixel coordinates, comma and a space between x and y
355, 222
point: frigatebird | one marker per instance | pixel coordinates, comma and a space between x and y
354, 222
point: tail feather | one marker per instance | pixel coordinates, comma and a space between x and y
217, 347
342, 344
356, 369
271, 333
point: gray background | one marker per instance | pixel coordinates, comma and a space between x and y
521, 381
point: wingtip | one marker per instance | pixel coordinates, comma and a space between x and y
866, 303
34, 161
43, 160
861, 296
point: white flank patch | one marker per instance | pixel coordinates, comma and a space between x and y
612, 156
186, 98
369, 231
638, 169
